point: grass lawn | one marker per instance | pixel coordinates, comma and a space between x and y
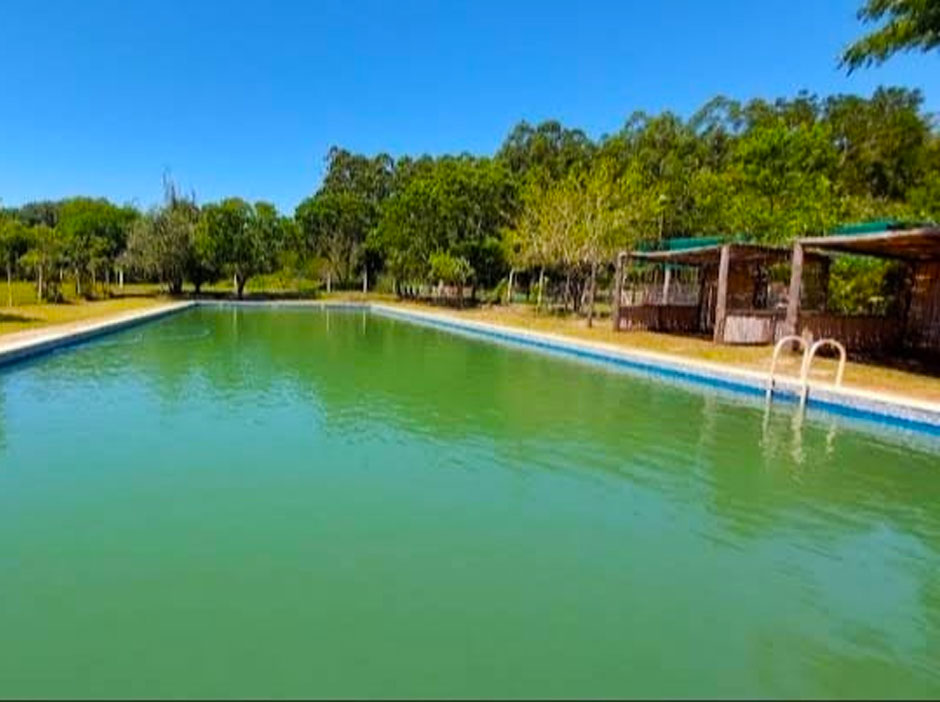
27, 314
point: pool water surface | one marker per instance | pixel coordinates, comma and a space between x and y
288, 502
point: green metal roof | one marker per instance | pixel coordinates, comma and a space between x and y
688, 242
691, 242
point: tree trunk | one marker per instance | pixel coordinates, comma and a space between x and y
107, 281
39, 285
512, 273
538, 302
365, 280
197, 284
235, 283
9, 285
567, 290
241, 287
329, 282
78, 284
591, 290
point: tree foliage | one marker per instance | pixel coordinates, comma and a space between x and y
551, 203
905, 25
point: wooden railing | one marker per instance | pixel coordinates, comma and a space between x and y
752, 326
664, 318
860, 333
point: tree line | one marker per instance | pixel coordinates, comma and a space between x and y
552, 204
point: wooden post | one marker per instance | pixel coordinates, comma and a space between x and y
622, 261
702, 312
796, 285
538, 302
824, 283
721, 301
593, 284
512, 273
667, 279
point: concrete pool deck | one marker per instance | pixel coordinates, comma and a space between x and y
905, 411
19, 345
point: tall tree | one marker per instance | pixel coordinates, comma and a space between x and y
457, 205
548, 150
94, 232
337, 220
44, 258
244, 239
13, 244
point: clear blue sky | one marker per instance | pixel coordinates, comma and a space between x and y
236, 98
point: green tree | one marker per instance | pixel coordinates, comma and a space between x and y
13, 243
546, 151
457, 205
905, 25
161, 245
244, 239
94, 233
337, 221
44, 257
880, 142
782, 179
450, 269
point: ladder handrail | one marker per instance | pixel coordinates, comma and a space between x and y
808, 361
778, 347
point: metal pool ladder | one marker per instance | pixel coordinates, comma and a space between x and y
809, 353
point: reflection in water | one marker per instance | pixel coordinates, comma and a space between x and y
375, 500
797, 416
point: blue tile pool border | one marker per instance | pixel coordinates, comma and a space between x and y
40, 346
896, 415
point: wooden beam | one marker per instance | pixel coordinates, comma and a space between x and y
902, 244
824, 276
622, 262
721, 303
796, 286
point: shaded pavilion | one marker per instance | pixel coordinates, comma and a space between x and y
723, 289
911, 325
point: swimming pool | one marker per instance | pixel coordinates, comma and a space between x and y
292, 502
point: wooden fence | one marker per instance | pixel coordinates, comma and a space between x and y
663, 318
860, 333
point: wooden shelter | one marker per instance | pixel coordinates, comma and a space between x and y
914, 325
727, 291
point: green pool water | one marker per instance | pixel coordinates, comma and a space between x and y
293, 502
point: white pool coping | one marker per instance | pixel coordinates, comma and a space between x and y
894, 409
20, 345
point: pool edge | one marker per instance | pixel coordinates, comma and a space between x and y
903, 412
54, 338
862, 404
